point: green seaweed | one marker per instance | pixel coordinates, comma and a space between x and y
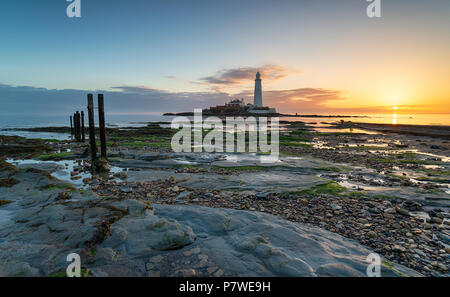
227, 223
62, 186
53, 156
330, 188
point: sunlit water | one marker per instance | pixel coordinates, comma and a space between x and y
391, 118
65, 167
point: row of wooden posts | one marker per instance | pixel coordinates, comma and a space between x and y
77, 127
78, 130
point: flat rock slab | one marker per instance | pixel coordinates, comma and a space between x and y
240, 243
272, 181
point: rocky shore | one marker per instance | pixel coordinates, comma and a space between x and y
331, 200
124, 236
385, 225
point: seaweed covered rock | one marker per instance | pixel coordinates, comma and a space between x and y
101, 165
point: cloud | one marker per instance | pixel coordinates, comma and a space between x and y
131, 99
297, 100
123, 99
243, 75
315, 96
135, 89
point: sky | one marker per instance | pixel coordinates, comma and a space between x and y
315, 56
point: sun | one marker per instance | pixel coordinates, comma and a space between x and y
395, 107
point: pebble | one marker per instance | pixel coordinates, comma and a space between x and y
212, 269
156, 259
203, 263
126, 190
363, 221
371, 234
202, 257
398, 248
153, 273
436, 220
191, 252
403, 211
218, 273
390, 210
188, 272
262, 195
388, 216
183, 195
121, 175
335, 206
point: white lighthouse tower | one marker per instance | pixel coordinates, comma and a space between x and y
258, 91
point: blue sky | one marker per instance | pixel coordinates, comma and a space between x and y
174, 46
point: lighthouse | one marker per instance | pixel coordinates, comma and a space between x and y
257, 107
258, 91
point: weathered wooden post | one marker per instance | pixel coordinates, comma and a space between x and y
92, 143
82, 127
71, 127
78, 126
101, 119
75, 126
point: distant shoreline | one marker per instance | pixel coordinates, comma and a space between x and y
262, 115
407, 129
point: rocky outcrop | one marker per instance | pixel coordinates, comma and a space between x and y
126, 237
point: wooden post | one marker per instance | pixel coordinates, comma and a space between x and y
101, 119
92, 143
71, 126
82, 127
77, 126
